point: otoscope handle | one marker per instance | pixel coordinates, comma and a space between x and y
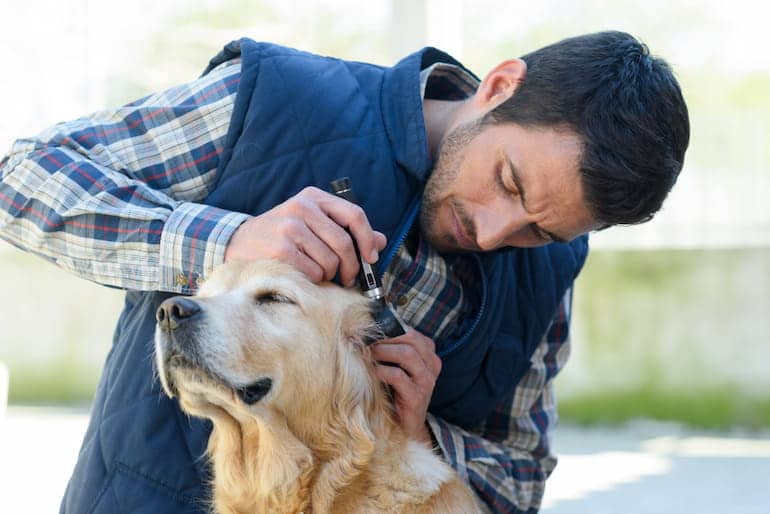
367, 278
387, 319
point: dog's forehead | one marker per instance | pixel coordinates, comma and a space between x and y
252, 277
282, 284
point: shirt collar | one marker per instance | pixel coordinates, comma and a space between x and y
444, 81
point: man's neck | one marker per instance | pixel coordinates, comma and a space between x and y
440, 116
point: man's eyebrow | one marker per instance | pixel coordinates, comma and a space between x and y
517, 180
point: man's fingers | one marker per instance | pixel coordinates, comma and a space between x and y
380, 240
304, 264
309, 231
422, 345
339, 241
352, 217
412, 380
414, 353
414, 338
299, 243
405, 357
403, 386
317, 249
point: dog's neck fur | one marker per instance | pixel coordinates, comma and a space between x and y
294, 473
264, 456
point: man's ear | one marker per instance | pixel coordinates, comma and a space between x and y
500, 84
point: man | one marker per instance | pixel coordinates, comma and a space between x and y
476, 201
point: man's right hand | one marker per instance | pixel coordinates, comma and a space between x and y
308, 232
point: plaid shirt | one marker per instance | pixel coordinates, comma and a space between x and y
112, 198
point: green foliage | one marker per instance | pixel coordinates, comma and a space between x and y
57, 383
709, 408
649, 300
674, 335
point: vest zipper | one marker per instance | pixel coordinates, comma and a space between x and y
383, 264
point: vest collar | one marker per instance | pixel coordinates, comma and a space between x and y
402, 110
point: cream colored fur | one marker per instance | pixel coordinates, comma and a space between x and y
324, 439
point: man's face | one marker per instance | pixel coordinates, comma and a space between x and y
504, 185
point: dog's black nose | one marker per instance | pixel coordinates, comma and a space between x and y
176, 311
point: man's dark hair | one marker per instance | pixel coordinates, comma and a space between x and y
625, 105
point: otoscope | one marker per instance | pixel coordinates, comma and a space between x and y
386, 317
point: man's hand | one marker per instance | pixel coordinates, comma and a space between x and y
412, 381
308, 232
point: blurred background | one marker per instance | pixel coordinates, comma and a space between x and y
671, 318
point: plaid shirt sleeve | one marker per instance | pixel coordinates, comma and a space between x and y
507, 459
112, 197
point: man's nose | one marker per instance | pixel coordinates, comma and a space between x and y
496, 226
176, 311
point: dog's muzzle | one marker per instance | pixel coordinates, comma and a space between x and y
177, 319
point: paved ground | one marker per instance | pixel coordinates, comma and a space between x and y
659, 468
38, 448
643, 468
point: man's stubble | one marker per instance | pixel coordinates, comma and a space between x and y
445, 171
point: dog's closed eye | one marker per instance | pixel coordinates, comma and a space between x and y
263, 297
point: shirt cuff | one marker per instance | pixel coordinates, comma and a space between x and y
193, 243
450, 443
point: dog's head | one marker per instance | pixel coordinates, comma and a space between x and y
261, 338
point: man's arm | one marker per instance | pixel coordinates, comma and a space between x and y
112, 197
509, 459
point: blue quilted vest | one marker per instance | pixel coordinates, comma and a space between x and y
299, 120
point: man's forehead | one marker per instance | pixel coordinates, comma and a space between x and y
545, 164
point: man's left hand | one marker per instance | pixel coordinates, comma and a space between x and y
412, 378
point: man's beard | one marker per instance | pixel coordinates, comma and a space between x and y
445, 171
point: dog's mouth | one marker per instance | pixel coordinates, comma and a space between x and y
251, 394
179, 369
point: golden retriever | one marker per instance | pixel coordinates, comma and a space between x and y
301, 424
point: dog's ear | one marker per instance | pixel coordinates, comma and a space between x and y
353, 396
355, 447
356, 325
